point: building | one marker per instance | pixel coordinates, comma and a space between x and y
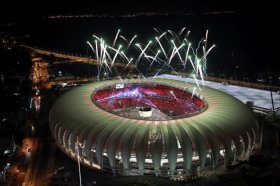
103, 125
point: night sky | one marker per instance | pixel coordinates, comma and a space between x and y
19, 10
260, 14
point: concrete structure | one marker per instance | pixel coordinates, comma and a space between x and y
221, 131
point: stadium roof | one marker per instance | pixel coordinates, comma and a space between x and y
227, 119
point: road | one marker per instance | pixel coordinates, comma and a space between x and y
73, 58
35, 157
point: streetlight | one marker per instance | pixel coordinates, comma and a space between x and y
273, 111
78, 157
270, 82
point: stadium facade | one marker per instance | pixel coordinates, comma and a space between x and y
152, 126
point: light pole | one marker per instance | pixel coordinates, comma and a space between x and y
273, 110
78, 157
270, 82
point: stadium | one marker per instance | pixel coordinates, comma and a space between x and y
159, 126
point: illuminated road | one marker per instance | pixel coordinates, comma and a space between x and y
36, 151
31, 153
32, 169
73, 58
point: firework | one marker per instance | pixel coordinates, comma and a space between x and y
167, 50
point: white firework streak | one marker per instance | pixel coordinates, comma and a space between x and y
207, 52
96, 37
192, 62
187, 54
146, 52
128, 63
193, 91
161, 47
171, 56
159, 31
108, 55
148, 57
116, 37
198, 46
197, 61
102, 52
156, 30
162, 35
101, 48
91, 47
201, 74
125, 57
177, 50
181, 31
104, 61
124, 38
148, 102
187, 34
171, 92
171, 32
197, 84
143, 51
116, 54
96, 47
154, 59
131, 41
205, 44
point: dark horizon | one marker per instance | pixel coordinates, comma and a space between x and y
22, 11
251, 23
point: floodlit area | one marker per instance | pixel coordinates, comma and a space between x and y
260, 98
133, 145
